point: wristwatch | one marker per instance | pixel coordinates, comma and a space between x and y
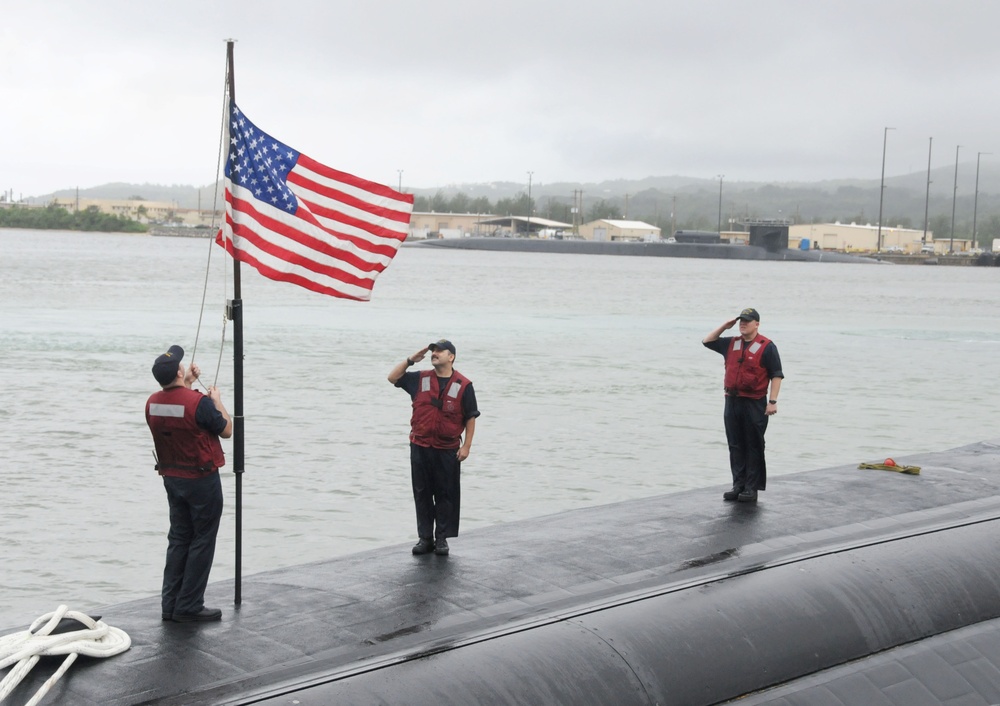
772, 401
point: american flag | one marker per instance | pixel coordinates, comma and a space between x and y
296, 220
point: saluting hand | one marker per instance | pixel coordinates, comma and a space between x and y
419, 355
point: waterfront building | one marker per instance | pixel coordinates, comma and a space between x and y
428, 224
605, 229
143, 211
523, 226
852, 237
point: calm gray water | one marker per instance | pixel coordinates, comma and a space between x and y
589, 370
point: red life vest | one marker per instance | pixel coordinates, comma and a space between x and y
183, 449
437, 421
745, 376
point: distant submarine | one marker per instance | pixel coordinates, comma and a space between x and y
719, 251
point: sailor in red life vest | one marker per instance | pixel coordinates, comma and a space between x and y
444, 407
752, 365
186, 426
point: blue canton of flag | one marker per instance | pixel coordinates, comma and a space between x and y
260, 163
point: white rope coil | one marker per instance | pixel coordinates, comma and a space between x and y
23, 649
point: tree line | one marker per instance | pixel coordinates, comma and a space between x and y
554, 208
54, 217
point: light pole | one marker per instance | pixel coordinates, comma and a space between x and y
527, 230
400, 188
881, 191
975, 200
954, 195
720, 177
927, 196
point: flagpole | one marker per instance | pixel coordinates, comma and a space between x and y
236, 314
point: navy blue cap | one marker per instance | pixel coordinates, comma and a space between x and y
443, 344
166, 365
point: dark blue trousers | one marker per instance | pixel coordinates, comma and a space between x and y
195, 511
746, 423
435, 475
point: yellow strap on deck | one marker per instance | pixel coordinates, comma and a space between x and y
909, 470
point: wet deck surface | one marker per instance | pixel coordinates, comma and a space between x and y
353, 612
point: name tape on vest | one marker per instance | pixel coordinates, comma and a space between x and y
166, 410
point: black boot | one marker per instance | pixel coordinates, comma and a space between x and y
424, 546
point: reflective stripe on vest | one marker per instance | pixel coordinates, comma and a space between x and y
166, 410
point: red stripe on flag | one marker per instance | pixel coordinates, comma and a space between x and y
277, 275
378, 233
309, 241
263, 244
389, 214
306, 213
369, 186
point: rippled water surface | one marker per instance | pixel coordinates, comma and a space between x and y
589, 370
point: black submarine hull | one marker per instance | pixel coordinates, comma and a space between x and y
840, 585
641, 249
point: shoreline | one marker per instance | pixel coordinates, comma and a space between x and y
641, 249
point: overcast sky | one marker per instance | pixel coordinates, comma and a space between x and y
452, 92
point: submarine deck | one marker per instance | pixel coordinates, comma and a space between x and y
306, 631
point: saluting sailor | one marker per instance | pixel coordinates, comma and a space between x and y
444, 408
752, 365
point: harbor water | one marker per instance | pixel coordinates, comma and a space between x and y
589, 370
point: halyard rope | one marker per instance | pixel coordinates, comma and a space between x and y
211, 241
23, 649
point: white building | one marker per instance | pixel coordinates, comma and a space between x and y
425, 224
851, 237
608, 230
